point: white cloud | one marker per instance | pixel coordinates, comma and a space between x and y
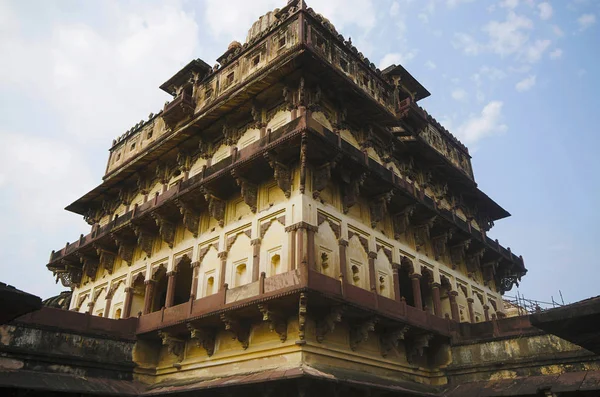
459, 94
585, 21
508, 37
430, 65
556, 54
454, 3
557, 31
395, 8
509, 4
534, 52
467, 43
526, 84
487, 123
545, 10
396, 58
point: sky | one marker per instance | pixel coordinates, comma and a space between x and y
515, 80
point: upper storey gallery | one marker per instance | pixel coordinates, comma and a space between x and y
293, 70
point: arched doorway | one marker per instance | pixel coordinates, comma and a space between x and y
406, 291
183, 284
159, 297
426, 292
138, 295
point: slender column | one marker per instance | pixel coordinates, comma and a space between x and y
471, 313
437, 301
343, 261
127, 304
416, 286
292, 234
255, 258
90, 307
453, 305
486, 312
310, 242
195, 271
395, 270
372, 276
149, 295
223, 257
171, 280
107, 306
300, 247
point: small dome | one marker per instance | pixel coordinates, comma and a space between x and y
233, 45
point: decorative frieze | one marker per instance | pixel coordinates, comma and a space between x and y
302, 315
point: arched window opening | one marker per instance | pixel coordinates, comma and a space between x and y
210, 286
355, 274
160, 289
118, 314
406, 289
240, 275
275, 264
139, 295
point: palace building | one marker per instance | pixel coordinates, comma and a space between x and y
292, 221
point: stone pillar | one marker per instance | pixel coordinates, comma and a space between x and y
255, 258
453, 305
486, 312
171, 281
149, 295
301, 259
343, 260
195, 271
107, 306
292, 251
127, 304
396, 280
416, 287
437, 301
372, 275
90, 307
471, 312
310, 247
223, 257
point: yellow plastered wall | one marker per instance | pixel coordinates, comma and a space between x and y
273, 244
326, 243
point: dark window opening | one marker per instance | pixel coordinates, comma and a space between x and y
344, 65
282, 42
256, 60
230, 77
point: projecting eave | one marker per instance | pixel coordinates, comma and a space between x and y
82, 204
197, 65
407, 80
493, 209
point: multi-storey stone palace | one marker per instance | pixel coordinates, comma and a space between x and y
292, 213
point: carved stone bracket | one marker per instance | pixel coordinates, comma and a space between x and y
204, 338
457, 252
327, 324
163, 173
282, 174
239, 330
248, 190
422, 232
322, 176
90, 265
417, 346
125, 249
489, 270
391, 339
401, 221
378, 207
107, 258
174, 345
360, 332
216, 208
351, 191
166, 228
302, 315
276, 321
440, 243
145, 239
191, 216
473, 260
